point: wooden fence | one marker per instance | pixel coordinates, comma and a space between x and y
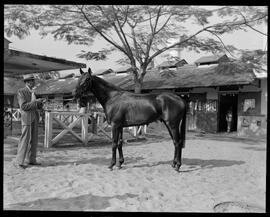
68, 120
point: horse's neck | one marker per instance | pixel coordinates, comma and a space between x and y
103, 92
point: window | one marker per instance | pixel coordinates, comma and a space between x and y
249, 104
202, 106
211, 106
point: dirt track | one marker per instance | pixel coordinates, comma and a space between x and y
214, 170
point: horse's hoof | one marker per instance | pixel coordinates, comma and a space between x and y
110, 168
119, 167
177, 168
173, 164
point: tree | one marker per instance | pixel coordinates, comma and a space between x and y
139, 32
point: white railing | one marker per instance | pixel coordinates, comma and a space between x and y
68, 120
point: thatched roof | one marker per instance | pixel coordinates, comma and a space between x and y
59, 86
188, 76
170, 63
103, 71
191, 76
122, 69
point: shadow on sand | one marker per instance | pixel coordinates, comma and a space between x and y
101, 161
196, 164
80, 203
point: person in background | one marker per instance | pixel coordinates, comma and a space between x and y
229, 120
29, 105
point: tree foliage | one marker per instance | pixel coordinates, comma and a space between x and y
256, 59
139, 32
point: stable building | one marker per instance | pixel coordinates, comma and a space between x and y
210, 90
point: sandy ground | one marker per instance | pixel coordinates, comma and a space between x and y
215, 170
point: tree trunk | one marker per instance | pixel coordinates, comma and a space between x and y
138, 86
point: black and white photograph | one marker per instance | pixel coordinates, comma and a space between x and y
135, 108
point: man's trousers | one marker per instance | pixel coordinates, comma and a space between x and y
27, 147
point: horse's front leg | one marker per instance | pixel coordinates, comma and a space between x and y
115, 136
179, 158
120, 144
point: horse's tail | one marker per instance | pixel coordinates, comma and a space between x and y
183, 127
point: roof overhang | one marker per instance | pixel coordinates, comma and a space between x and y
18, 63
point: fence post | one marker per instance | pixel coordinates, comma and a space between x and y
85, 129
48, 129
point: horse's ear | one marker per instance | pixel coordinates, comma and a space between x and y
89, 71
81, 71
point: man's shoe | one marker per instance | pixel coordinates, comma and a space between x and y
34, 163
19, 166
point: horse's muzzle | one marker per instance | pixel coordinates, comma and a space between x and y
76, 95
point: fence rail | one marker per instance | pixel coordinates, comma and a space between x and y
68, 120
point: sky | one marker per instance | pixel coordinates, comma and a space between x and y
60, 49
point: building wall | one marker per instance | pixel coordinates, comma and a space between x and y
253, 109
264, 96
202, 115
253, 122
249, 123
254, 125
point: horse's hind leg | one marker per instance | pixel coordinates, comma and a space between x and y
169, 130
178, 149
174, 132
115, 136
120, 144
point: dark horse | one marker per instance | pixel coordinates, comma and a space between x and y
124, 109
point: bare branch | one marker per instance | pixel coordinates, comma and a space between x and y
150, 41
126, 44
101, 33
126, 16
239, 23
221, 42
150, 20
256, 30
176, 44
115, 27
138, 56
166, 22
251, 26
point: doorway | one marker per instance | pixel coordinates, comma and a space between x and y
227, 101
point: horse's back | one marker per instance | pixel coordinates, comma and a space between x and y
173, 106
135, 109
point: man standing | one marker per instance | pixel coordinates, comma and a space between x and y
229, 120
27, 147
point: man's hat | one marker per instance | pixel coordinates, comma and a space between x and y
28, 77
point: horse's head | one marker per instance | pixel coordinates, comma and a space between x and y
83, 86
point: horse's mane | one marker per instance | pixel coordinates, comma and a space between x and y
106, 83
